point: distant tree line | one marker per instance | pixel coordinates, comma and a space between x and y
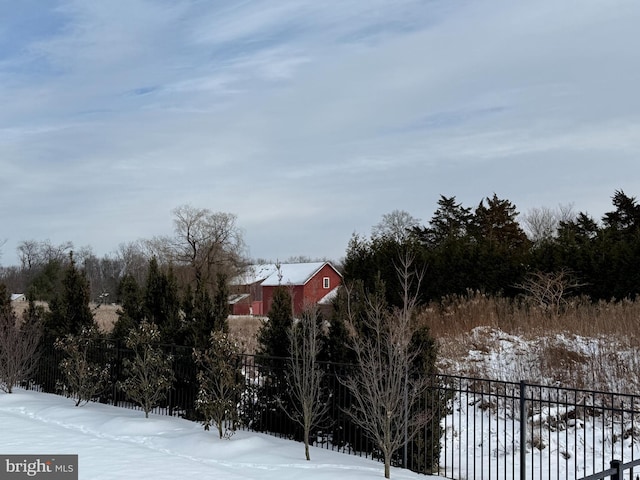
205, 247
493, 249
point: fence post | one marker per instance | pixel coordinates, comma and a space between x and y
116, 372
170, 397
523, 430
617, 464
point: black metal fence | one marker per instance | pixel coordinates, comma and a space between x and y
507, 430
479, 429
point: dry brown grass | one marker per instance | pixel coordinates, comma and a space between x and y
20, 306
105, 315
244, 330
459, 314
588, 345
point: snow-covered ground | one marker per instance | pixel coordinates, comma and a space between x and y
482, 432
606, 363
116, 443
570, 433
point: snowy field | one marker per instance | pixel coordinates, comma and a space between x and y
116, 443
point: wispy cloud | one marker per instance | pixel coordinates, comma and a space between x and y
306, 116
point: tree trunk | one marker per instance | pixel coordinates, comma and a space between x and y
306, 442
387, 466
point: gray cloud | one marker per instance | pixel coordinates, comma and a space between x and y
309, 120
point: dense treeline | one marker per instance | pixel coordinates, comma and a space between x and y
488, 249
206, 248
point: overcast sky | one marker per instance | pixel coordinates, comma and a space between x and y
307, 119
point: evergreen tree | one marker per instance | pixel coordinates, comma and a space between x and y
149, 374
625, 219
201, 322
619, 248
367, 261
272, 354
34, 314
336, 346
423, 451
450, 222
501, 247
496, 224
220, 383
449, 250
131, 311
162, 303
204, 314
84, 377
69, 311
273, 339
6, 309
221, 304
359, 262
45, 285
573, 249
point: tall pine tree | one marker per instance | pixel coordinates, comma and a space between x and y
162, 303
273, 339
131, 311
272, 353
69, 311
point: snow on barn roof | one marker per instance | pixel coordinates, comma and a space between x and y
287, 274
329, 297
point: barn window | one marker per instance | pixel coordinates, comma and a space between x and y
325, 282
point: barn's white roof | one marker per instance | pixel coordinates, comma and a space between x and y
287, 274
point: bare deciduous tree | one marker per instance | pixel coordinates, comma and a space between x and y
133, 260
305, 376
19, 342
542, 223
34, 254
549, 289
395, 225
385, 391
205, 241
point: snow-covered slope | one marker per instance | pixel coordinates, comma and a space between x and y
116, 443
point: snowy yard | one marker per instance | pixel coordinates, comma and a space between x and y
116, 443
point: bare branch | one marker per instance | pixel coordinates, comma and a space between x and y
549, 289
305, 376
19, 341
384, 390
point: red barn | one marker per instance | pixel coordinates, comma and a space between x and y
309, 283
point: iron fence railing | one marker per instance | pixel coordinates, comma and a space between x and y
507, 430
479, 428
